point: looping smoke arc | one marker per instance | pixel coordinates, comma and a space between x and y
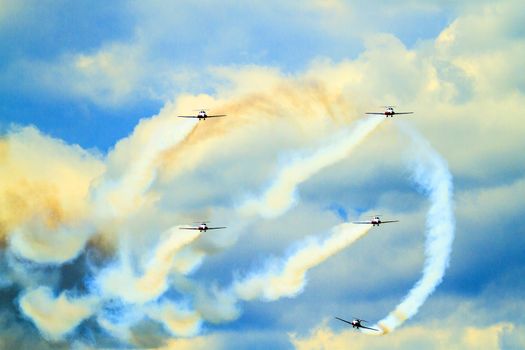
432, 175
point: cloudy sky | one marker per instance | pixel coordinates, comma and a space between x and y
98, 174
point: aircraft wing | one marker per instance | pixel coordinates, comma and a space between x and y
216, 228
187, 116
340, 319
377, 113
362, 222
369, 328
216, 116
404, 112
387, 221
188, 228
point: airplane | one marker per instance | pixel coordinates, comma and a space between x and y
389, 112
202, 115
356, 323
202, 227
374, 221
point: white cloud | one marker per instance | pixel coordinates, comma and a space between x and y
168, 52
111, 76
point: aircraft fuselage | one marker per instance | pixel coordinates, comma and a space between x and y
202, 115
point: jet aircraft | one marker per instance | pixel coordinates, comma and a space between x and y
389, 112
375, 221
202, 115
356, 323
202, 227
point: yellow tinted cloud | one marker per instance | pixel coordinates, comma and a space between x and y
44, 185
55, 316
179, 321
430, 337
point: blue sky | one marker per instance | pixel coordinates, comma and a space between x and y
98, 172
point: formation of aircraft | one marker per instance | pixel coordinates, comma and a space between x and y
202, 115
388, 112
356, 323
375, 221
202, 227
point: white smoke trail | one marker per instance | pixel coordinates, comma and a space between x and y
288, 279
132, 166
280, 196
121, 280
432, 174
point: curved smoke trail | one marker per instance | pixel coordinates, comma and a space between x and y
133, 164
280, 196
122, 281
432, 175
290, 278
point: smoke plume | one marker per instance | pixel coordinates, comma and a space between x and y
431, 173
281, 194
287, 278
